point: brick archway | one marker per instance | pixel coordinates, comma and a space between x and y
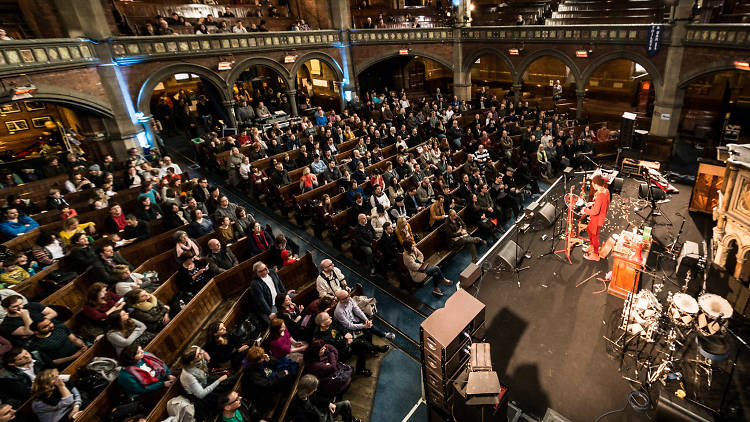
361, 67
518, 79
260, 61
325, 58
489, 51
144, 95
640, 59
72, 98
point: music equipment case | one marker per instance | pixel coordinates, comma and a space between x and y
446, 337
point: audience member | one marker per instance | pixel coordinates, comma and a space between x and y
142, 372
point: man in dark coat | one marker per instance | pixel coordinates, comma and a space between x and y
264, 287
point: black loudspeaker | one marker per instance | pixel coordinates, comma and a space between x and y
656, 192
546, 214
690, 254
674, 409
510, 255
627, 127
616, 186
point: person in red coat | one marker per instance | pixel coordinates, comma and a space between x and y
597, 211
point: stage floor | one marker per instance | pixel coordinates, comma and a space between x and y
547, 335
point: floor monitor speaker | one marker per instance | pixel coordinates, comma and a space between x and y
510, 255
546, 214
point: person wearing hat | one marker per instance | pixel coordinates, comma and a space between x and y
95, 175
399, 209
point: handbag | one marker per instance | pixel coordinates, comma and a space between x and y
246, 331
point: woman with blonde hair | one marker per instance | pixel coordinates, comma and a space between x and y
403, 231
53, 401
71, 226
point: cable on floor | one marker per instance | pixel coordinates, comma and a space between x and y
638, 400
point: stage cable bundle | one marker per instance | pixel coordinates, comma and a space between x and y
638, 400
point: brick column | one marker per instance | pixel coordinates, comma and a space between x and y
86, 18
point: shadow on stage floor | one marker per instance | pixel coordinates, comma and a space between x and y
548, 334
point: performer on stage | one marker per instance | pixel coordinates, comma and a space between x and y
597, 211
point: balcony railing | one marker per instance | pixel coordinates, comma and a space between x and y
717, 35
616, 34
124, 48
44, 54
400, 36
20, 56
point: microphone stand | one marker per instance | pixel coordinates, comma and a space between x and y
516, 267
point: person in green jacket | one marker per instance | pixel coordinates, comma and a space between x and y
142, 372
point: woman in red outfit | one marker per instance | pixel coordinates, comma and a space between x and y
597, 211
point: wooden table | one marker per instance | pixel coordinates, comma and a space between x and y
626, 266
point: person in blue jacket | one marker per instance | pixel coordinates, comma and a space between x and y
15, 224
142, 372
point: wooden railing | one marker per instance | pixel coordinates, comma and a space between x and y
52, 54
124, 48
735, 35
31, 55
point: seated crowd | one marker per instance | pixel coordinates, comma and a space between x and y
398, 176
225, 23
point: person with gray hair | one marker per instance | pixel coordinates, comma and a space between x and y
309, 407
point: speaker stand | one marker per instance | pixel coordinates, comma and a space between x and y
554, 234
517, 268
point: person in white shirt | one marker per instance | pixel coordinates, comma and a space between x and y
167, 164
238, 28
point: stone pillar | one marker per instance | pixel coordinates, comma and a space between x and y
517, 92
229, 107
580, 94
86, 18
291, 95
463, 15
668, 106
461, 81
342, 100
123, 128
342, 20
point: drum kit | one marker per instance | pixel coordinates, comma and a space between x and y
706, 318
708, 315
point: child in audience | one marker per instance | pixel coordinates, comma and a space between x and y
14, 273
31, 267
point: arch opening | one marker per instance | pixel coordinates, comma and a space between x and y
714, 101
415, 74
491, 72
617, 86
541, 75
318, 85
188, 103
258, 84
731, 253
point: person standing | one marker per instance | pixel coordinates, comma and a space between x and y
597, 211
